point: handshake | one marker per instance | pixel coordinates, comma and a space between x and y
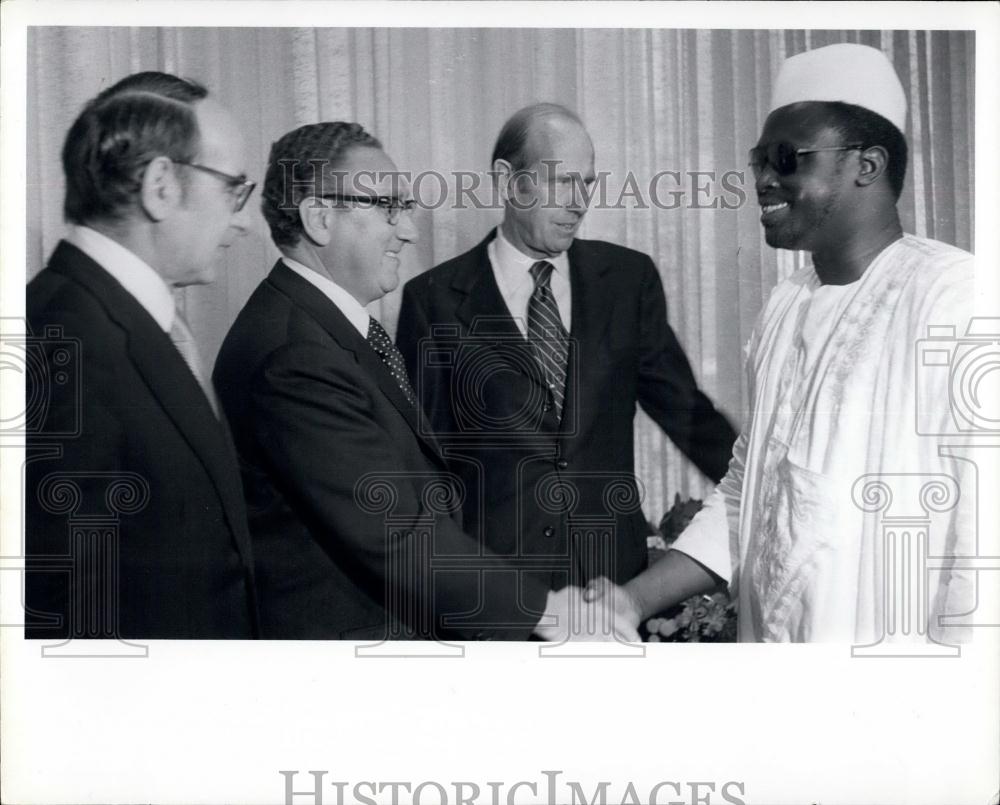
600, 611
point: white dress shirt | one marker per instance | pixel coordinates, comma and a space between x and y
346, 304
512, 269
134, 274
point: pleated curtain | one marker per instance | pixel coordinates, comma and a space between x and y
681, 105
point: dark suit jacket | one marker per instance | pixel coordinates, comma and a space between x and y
344, 488
146, 471
486, 400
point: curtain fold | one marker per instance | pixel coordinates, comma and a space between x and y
672, 114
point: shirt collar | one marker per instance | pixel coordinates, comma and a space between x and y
134, 274
514, 266
347, 304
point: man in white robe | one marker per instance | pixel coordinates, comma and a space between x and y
841, 514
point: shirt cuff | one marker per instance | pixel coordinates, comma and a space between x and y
706, 539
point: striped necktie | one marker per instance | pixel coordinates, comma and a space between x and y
180, 335
547, 334
391, 357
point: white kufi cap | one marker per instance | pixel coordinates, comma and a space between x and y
848, 73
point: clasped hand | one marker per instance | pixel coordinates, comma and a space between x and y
601, 611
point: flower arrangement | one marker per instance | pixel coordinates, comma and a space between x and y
701, 618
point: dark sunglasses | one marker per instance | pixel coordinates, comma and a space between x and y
239, 186
784, 157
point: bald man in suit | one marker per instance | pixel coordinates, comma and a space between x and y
530, 353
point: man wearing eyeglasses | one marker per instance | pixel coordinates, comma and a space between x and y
132, 441
349, 497
843, 514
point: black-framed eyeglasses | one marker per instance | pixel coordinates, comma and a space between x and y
784, 157
392, 205
239, 186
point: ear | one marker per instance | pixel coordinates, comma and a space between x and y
503, 172
160, 190
315, 217
874, 162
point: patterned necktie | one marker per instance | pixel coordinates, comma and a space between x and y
391, 357
180, 335
546, 332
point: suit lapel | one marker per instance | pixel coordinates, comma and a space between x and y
483, 307
485, 315
329, 316
169, 379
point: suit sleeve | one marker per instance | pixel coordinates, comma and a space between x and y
315, 426
668, 391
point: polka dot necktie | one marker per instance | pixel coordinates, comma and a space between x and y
547, 334
391, 357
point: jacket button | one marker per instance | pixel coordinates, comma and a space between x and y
548, 531
547, 407
562, 463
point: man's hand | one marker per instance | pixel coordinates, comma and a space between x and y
673, 578
626, 609
568, 616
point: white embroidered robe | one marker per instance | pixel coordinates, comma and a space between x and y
836, 452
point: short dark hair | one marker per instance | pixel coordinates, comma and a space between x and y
298, 166
859, 125
118, 133
513, 142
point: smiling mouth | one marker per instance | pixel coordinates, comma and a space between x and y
768, 209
